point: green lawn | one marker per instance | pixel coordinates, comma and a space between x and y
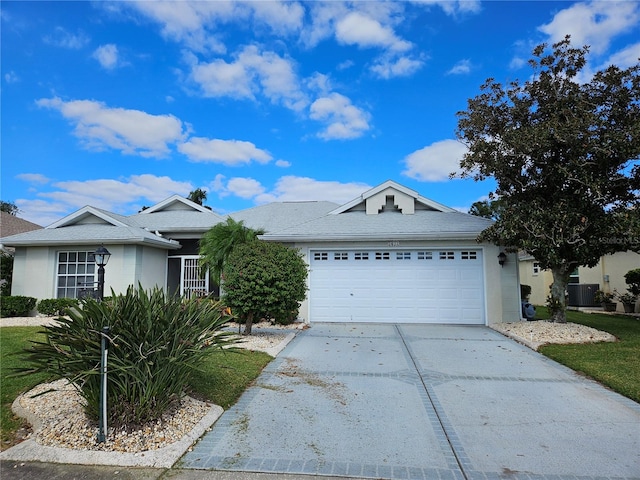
221, 379
13, 339
615, 365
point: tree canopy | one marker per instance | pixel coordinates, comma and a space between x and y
563, 148
9, 207
197, 196
220, 240
490, 209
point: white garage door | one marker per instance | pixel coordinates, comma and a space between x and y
399, 286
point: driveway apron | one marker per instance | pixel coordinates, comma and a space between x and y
422, 402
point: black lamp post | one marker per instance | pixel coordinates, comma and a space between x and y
101, 257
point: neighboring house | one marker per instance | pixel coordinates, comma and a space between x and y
12, 225
607, 275
390, 255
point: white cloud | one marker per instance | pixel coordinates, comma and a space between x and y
252, 73
109, 194
11, 77
517, 63
244, 187
593, 23
226, 152
283, 164
107, 56
387, 67
64, 39
625, 58
288, 189
343, 119
133, 132
296, 189
460, 68
435, 162
365, 32
42, 212
33, 178
281, 17
195, 23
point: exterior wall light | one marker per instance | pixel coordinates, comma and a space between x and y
502, 258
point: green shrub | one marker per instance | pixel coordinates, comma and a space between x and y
56, 306
632, 278
264, 279
6, 273
16, 306
156, 343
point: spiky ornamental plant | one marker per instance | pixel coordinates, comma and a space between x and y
156, 342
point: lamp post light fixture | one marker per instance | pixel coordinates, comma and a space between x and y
502, 258
101, 257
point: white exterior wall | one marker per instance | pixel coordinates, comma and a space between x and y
133, 264
502, 290
34, 273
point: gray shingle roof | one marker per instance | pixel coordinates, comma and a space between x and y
282, 215
89, 234
176, 221
357, 225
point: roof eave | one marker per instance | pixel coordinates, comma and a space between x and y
368, 237
166, 244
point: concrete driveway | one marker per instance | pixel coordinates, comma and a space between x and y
422, 401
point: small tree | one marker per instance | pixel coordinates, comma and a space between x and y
9, 207
197, 196
564, 155
262, 278
219, 241
490, 209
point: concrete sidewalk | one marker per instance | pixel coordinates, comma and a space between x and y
422, 401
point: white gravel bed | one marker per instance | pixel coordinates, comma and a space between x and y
537, 333
59, 420
63, 423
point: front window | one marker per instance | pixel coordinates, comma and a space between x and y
76, 272
536, 268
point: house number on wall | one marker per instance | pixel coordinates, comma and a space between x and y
393, 243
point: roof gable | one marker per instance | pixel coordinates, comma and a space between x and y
89, 215
391, 196
175, 202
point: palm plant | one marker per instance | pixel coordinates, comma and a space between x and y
217, 244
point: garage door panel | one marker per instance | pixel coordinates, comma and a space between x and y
398, 289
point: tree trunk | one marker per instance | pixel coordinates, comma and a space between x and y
558, 303
248, 323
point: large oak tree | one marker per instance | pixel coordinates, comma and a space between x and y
563, 148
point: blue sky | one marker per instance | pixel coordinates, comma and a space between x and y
122, 104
